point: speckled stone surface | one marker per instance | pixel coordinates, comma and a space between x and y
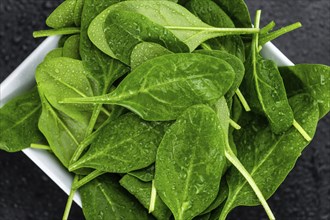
28, 194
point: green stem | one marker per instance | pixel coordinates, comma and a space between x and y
301, 130
205, 46
70, 199
87, 179
89, 139
243, 100
152, 197
234, 124
60, 31
214, 29
40, 146
275, 34
239, 166
267, 28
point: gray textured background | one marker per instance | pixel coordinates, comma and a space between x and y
26, 193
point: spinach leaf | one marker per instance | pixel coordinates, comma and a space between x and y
145, 174
268, 157
311, 78
237, 11
57, 52
235, 63
68, 76
142, 191
104, 198
123, 145
19, 122
152, 89
63, 15
212, 14
189, 162
146, 51
71, 47
78, 12
62, 132
155, 21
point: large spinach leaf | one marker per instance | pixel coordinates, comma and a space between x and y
123, 145
104, 198
163, 22
152, 89
19, 122
311, 78
190, 161
142, 191
268, 157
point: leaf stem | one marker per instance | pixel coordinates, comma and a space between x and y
41, 147
152, 197
242, 100
214, 29
205, 46
301, 130
234, 124
239, 166
267, 28
87, 179
275, 34
70, 199
60, 31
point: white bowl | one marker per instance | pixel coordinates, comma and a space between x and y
23, 79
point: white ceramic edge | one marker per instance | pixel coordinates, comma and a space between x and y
23, 79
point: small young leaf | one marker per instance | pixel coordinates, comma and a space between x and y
71, 47
63, 15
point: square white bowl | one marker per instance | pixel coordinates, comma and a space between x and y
22, 79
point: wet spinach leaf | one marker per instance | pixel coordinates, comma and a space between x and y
71, 47
19, 122
142, 191
63, 15
268, 157
57, 52
189, 163
311, 78
145, 175
123, 145
151, 89
104, 198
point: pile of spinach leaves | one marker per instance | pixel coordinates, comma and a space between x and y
166, 109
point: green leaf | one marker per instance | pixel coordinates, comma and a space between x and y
311, 78
152, 89
57, 52
77, 12
63, 15
123, 145
189, 163
142, 191
71, 47
237, 11
145, 174
146, 51
104, 198
268, 157
19, 122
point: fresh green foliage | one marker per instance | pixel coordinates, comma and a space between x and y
142, 191
151, 89
19, 122
137, 21
126, 144
267, 156
104, 198
138, 99
71, 47
63, 15
189, 162
311, 78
